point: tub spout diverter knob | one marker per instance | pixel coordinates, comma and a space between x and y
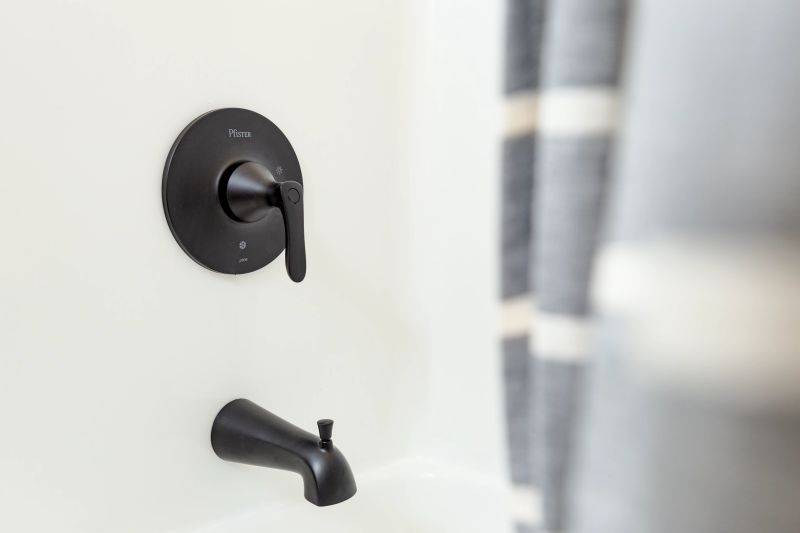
325, 427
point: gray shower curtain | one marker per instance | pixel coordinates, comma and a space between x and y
651, 265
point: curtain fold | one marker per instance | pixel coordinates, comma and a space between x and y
564, 62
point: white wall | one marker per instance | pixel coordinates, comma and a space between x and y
116, 350
455, 160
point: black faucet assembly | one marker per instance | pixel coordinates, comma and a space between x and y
245, 433
233, 197
233, 193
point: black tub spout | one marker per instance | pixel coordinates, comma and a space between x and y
245, 433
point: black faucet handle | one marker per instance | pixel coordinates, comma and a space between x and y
291, 204
251, 191
325, 427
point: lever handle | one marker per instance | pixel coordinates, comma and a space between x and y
290, 194
252, 190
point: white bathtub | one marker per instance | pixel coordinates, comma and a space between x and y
409, 496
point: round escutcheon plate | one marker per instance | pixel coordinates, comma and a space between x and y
196, 171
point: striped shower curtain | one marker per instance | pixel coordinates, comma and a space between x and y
650, 265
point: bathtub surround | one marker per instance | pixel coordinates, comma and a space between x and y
119, 346
688, 417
